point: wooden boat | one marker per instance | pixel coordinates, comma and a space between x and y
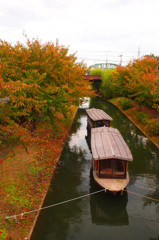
97, 118
110, 155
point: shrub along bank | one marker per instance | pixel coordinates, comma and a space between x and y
147, 119
136, 90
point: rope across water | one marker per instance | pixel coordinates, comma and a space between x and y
73, 199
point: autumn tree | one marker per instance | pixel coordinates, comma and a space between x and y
120, 81
39, 80
139, 80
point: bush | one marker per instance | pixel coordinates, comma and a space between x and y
39, 80
153, 127
125, 103
107, 86
142, 117
97, 71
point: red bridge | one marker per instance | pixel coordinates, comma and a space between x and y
93, 78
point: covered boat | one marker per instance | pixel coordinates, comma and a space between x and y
97, 118
110, 155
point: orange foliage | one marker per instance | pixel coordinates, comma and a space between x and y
39, 81
139, 80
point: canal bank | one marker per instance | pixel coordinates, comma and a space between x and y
55, 166
77, 137
101, 215
25, 178
132, 115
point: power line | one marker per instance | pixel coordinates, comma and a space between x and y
119, 51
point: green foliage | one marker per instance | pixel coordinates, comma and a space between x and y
16, 195
120, 82
153, 127
142, 117
125, 103
107, 86
97, 71
35, 171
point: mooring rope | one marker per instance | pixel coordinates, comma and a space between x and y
53, 205
138, 194
73, 199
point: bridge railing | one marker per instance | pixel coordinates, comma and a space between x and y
104, 65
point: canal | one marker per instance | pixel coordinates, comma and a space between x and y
101, 216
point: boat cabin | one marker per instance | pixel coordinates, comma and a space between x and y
110, 158
97, 118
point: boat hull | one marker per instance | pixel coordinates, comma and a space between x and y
112, 185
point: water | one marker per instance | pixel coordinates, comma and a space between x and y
102, 216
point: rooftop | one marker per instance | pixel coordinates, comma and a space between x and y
108, 143
98, 114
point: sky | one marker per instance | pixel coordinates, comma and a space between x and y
115, 31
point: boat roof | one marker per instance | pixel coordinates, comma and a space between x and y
98, 114
108, 143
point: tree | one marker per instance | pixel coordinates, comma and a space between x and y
120, 81
144, 81
96, 71
139, 80
39, 81
106, 86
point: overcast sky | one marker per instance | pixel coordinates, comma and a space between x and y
98, 30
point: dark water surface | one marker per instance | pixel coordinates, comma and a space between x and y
102, 216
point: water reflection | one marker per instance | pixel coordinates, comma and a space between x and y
145, 154
84, 103
107, 209
102, 216
67, 184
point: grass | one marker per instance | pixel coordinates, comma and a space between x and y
16, 195
25, 177
35, 170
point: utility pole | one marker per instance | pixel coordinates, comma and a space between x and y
106, 62
57, 42
120, 59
